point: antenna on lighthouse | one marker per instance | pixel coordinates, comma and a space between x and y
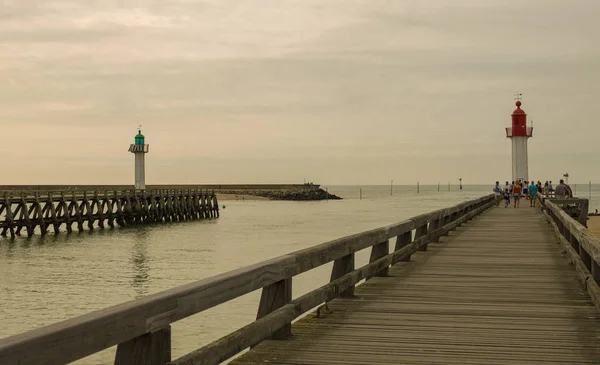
518, 96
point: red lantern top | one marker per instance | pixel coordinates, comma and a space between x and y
519, 123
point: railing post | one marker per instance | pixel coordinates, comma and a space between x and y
446, 219
152, 348
436, 224
378, 251
341, 267
595, 271
401, 241
273, 297
420, 232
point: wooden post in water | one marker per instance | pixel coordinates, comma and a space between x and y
417, 187
391, 187
360, 192
438, 186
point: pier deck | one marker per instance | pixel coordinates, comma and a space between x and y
498, 290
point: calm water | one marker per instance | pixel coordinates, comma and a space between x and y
45, 280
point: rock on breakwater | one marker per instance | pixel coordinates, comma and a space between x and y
284, 194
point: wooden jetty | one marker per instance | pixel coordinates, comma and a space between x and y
470, 284
35, 209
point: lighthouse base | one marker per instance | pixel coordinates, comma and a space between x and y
520, 168
140, 171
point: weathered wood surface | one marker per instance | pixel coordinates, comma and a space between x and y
498, 290
95, 209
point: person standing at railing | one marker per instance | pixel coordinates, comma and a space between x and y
562, 191
532, 194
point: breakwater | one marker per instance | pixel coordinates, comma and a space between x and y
27, 210
295, 192
285, 194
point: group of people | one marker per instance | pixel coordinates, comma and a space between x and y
529, 190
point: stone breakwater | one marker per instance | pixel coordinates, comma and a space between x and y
283, 194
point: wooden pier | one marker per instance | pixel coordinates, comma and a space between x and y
34, 209
470, 284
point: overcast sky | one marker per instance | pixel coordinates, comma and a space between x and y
338, 92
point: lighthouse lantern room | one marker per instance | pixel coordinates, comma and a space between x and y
519, 133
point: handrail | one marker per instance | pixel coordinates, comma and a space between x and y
581, 246
145, 323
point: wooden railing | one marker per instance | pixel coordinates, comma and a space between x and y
576, 208
141, 328
579, 244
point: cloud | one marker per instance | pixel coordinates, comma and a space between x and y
341, 86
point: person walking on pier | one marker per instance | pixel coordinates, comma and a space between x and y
532, 194
507, 192
525, 188
497, 193
517, 194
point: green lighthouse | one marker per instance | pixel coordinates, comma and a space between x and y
139, 149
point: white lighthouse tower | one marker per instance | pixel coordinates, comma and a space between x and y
139, 149
519, 133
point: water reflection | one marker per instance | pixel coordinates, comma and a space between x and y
140, 261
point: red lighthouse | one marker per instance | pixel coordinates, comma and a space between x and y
519, 132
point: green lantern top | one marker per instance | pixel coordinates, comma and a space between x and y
139, 139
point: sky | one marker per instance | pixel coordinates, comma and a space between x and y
278, 91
